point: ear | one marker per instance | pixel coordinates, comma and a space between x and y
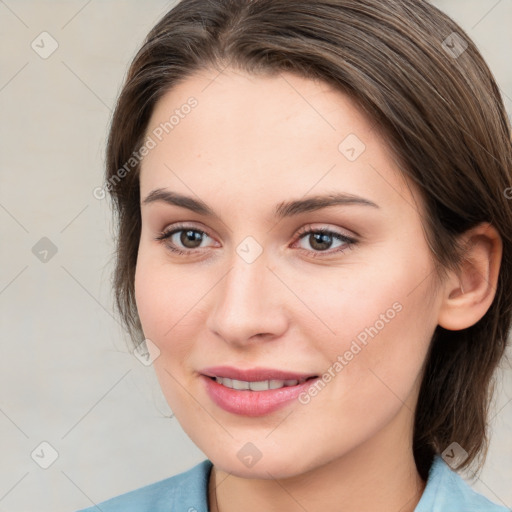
468, 294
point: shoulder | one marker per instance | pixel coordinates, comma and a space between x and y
185, 492
446, 491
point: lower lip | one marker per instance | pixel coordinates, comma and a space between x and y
253, 403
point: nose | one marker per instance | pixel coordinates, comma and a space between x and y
248, 304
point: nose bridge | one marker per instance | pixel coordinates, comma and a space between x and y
247, 301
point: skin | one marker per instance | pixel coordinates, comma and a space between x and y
251, 143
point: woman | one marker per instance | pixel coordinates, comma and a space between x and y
314, 225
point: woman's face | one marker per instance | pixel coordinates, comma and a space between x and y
260, 295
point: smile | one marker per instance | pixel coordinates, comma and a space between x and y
261, 385
255, 391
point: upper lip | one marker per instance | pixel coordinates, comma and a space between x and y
254, 374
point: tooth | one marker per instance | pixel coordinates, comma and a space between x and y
259, 386
239, 384
224, 381
262, 385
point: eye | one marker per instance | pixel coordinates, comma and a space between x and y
322, 239
183, 237
185, 240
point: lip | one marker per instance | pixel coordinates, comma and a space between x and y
253, 403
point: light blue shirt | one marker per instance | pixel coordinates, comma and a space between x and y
445, 491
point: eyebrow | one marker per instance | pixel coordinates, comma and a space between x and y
281, 210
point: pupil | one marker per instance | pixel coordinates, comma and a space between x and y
188, 238
322, 239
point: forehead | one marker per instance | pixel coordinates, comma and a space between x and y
239, 104
247, 132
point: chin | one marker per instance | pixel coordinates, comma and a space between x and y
271, 462
276, 467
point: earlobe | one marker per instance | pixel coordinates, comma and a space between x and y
468, 293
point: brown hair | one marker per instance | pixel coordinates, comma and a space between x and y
441, 112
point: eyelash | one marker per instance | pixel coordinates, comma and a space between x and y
349, 242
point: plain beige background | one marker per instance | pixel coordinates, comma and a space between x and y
66, 376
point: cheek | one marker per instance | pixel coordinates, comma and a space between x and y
381, 319
150, 297
164, 307
366, 300
164, 297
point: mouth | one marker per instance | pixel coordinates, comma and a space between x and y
254, 392
259, 385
